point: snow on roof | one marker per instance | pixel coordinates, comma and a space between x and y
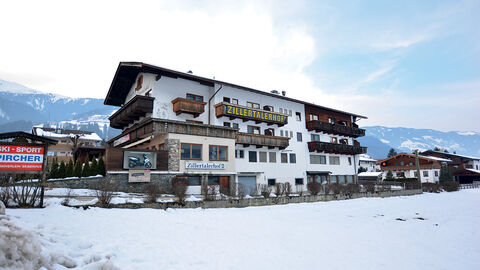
88, 135
473, 170
457, 155
437, 158
364, 157
369, 174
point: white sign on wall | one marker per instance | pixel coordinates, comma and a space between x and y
204, 166
138, 176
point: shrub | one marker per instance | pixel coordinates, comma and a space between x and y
69, 170
288, 189
279, 189
5, 195
253, 191
450, 186
352, 188
265, 190
369, 187
104, 192
94, 167
241, 191
68, 197
101, 166
299, 189
86, 169
431, 187
314, 187
27, 194
77, 171
152, 191
62, 170
53, 170
180, 189
335, 188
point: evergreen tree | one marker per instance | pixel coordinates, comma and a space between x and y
101, 166
53, 169
77, 172
86, 168
62, 170
391, 153
94, 167
69, 168
389, 175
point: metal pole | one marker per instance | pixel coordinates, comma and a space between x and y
417, 164
44, 175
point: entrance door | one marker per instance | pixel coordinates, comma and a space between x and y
224, 182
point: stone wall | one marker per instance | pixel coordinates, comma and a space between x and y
173, 148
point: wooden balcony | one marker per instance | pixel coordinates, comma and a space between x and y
258, 140
410, 167
250, 114
336, 148
183, 105
137, 107
335, 129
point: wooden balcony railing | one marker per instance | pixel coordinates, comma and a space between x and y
411, 167
335, 128
336, 148
183, 105
262, 140
250, 114
137, 107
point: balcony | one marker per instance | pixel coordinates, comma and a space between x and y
271, 142
336, 148
250, 114
183, 105
335, 129
137, 107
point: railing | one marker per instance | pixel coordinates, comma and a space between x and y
137, 107
183, 105
262, 140
410, 167
475, 184
335, 128
316, 146
250, 114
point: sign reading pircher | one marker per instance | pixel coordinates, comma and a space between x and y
21, 158
253, 114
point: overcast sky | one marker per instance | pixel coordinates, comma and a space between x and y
405, 63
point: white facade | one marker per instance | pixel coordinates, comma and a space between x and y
298, 165
426, 176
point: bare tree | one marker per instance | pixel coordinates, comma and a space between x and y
241, 191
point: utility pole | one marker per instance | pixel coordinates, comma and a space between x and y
417, 165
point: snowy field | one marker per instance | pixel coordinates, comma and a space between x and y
429, 231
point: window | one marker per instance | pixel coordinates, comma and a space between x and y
425, 173
289, 112
218, 152
286, 133
318, 159
415, 173
234, 101
253, 130
291, 134
298, 181
271, 182
400, 174
235, 125
402, 163
313, 117
315, 138
253, 105
341, 179
214, 180
191, 151
332, 160
195, 97
331, 120
298, 116
349, 161
269, 132
333, 179
194, 181
252, 156
239, 154
281, 132
268, 108
262, 156
226, 124
52, 153
293, 158
226, 99
349, 178
299, 136
284, 157
280, 110
436, 173
272, 157
334, 139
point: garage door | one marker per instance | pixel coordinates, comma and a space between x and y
249, 182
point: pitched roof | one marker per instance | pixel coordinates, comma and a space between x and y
21, 134
413, 156
127, 73
450, 154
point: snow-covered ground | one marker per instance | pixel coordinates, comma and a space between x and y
429, 231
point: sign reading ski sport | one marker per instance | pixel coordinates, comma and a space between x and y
21, 158
237, 111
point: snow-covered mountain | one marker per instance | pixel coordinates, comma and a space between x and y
22, 107
380, 139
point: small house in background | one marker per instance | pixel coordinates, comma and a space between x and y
72, 144
465, 169
403, 166
370, 177
368, 163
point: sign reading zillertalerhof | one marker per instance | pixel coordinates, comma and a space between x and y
21, 158
254, 114
204, 166
138, 176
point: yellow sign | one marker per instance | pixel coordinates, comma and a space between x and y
255, 114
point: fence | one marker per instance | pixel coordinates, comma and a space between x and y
475, 184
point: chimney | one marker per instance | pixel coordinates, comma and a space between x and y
190, 72
284, 93
275, 92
